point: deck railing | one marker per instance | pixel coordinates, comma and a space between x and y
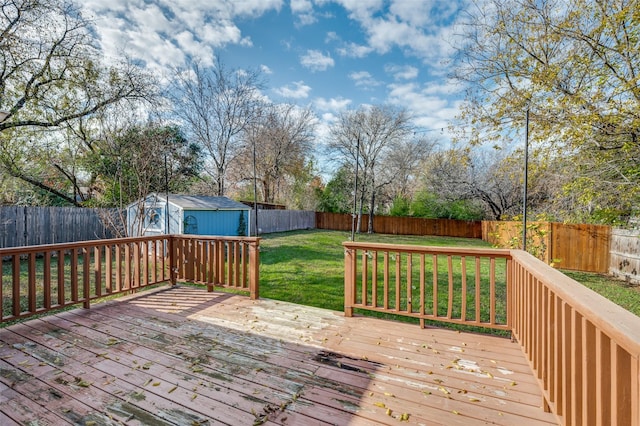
37, 279
584, 349
463, 286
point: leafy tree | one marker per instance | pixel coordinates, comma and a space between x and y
337, 195
574, 66
217, 106
401, 206
51, 76
141, 160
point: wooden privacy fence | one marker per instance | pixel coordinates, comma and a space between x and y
583, 349
402, 225
36, 279
30, 226
625, 255
283, 220
579, 247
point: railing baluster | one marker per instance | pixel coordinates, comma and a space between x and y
61, 278
398, 281
386, 280
435, 286
409, 283
374, 279
422, 289
364, 277
450, 281
74, 276
31, 295
46, 281
463, 279
15, 270
478, 289
492, 291
97, 269
86, 285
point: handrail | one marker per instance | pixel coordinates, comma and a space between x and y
583, 349
53, 276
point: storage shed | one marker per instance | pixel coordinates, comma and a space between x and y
187, 214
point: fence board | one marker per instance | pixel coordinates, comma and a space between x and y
402, 225
624, 261
27, 226
283, 220
581, 247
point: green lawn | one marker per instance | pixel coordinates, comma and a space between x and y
306, 267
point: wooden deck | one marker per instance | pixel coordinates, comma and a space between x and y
182, 356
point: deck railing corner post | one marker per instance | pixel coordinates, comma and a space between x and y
349, 281
254, 269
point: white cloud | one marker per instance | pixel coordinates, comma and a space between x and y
430, 105
333, 104
303, 11
163, 32
364, 79
420, 28
296, 90
316, 61
402, 72
354, 50
265, 69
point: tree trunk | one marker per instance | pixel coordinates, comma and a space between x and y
373, 201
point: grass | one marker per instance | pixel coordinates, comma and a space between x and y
617, 291
307, 267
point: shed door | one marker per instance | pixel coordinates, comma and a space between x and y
190, 225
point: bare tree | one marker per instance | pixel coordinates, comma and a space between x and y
282, 138
364, 137
52, 75
402, 166
217, 106
493, 178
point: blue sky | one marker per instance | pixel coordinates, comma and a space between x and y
331, 55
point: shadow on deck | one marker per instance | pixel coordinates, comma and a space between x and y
183, 356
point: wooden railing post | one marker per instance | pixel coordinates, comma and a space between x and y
173, 259
254, 269
349, 280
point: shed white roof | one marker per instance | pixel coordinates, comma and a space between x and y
201, 202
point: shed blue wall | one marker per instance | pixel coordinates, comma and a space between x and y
217, 222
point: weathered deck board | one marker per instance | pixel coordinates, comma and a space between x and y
185, 356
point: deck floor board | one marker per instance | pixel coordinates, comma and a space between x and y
182, 356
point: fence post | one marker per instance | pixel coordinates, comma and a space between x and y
254, 269
349, 280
